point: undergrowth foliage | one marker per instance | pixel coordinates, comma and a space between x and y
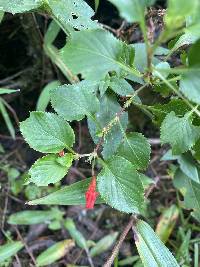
108, 68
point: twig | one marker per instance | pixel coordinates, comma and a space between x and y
26, 246
121, 239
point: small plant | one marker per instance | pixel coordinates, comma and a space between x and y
112, 79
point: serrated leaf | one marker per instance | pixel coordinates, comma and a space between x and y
55, 252
98, 48
9, 249
44, 97
177, 11
103, 244
74, 102
152, 251
49, 169
136, 149
179, 133
29, 217
77, 13
123, 190
47, 132
108, 109
132, 10
73, 194
190, 190
19, 6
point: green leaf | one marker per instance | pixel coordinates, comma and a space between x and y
190, 190
73, 194
179, 133
136, 149
7, 91
151, 249
108, 109
1, 16
177, 11
19, 6
189, 166
76, 14
167, 222
189, 83
98, 48
74, 102
29, 217
132, 10
47, 132
123, 190
55, 252
44, 97
104, 244
48, 169
6, 118
10, 249
75, 234
161, 110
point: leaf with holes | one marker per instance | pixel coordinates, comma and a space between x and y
97, 49
74, 102
120, 185
47, 132
136, 149
179, 132
151, 249
76, 14
47, 170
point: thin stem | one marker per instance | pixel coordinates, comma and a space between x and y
119, 243
177, 92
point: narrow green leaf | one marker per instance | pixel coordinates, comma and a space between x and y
47, 132
48, 169
75, 234
98, 48
29, 217
55, 252
151, 249
167, 222
1, 16
123, 190
68, 195
76, 14
19, 6
179, 132
10, 249
136, 149
7, 91
6, 118
104, 244
76, 101
44, 97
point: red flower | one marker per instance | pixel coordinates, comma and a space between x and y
91, 194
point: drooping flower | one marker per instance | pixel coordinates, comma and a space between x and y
91, 194
61, 153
